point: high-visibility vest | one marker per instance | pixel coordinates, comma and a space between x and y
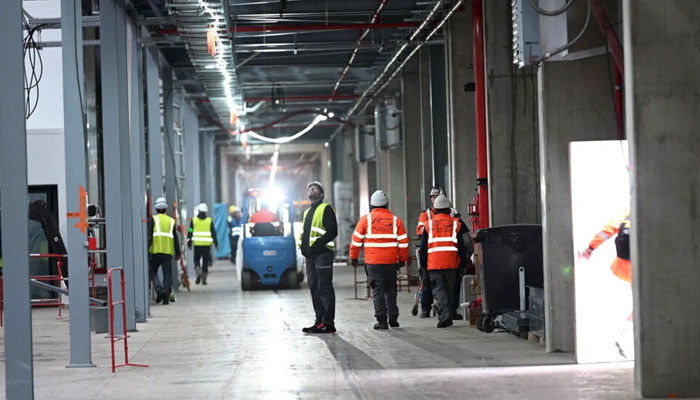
163, 240
317, 227
423, 220
442, 242
235, 225
384, 237
201, 232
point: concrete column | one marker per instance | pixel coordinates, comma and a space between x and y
138, 173
662, 103
426, 124
19, 364
587, 115
460, 109
74, 136
192, 192
438, 110
412, 149
168, 137
155, 147
326, 173
512, 137
397, 182
382, 170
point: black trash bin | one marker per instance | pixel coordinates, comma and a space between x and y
504, 250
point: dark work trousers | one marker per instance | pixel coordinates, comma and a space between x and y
382, 280
426, 293
203, 252
457, 289
443, 281
319, 275
233, 240
160, 260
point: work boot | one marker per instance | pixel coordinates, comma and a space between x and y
425, 314
445, 323
160, 296
394, 324
166, 299
381, 325
198, 270
323, 328
204, 278
309, 328
456, 316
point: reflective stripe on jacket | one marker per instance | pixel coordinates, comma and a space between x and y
442, 242
317, 227
163, 240
201, 232
423, 220
235, 225
620, 268
384, 237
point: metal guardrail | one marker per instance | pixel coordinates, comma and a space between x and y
52, 288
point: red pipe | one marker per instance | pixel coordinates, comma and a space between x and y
619, 110
604, 21
482, 165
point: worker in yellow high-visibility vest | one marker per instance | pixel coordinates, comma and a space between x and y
163, 244
202, 235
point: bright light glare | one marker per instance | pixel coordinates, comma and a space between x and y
287, 139
273, 196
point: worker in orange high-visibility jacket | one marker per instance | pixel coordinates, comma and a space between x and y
442, 247
386, 250
426, 289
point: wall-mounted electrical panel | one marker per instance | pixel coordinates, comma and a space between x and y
387, 120
526, 33
364, 143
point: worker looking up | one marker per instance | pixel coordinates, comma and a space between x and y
235, 230
163, 244
440, 250
386, 250
202, 234
316, 242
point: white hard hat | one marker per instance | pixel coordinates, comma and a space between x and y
202, 208
437, 190
441, 202
160, 204
379, 199
317, 183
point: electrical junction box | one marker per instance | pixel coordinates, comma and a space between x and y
387, 120
526, 33
364, 143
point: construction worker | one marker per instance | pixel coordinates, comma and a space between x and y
316, 242
465, 265
441, 249
266, 223
386, 250
426, 293
621, 267
202, 234
235, 230
163, 244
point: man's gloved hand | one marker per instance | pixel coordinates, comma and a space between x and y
354, 262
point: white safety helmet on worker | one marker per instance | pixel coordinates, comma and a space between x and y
437, 190
202, 208
160, 204
441, 202
379, 199
315, 183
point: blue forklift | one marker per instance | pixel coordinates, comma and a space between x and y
269, 251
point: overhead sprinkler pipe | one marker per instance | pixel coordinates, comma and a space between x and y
480, 105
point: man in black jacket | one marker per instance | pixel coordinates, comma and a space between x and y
316, 243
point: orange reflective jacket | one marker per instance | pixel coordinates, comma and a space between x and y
384, 237
423, 220
442, 242
620, 267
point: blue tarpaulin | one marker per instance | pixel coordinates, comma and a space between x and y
221, 225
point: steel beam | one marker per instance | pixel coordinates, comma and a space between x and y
19, 376
74, 137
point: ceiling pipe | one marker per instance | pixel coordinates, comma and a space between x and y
306, 28
305, 98
363, 34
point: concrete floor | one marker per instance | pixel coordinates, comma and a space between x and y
217, 342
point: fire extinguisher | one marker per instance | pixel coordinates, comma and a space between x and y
473, 212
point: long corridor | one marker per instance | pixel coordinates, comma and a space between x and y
217, 342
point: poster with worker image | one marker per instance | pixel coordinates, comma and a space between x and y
600, 202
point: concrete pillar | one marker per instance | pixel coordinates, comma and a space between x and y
575, 103
460, 109
19, 362
168, 137
662, 103
382, 170
412, 149
397, 182
512, 137
426, 125
438, 110
155, 147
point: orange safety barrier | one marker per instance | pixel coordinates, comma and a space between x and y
111, 321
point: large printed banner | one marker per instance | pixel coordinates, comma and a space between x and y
600, 195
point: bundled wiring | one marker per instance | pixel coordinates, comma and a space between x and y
32, 78
552, 13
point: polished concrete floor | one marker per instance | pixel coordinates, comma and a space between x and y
217, 342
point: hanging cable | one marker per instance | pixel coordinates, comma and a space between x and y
31, 80
287, 139
551, 13
573, 41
